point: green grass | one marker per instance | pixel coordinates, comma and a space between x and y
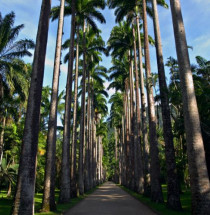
6, 203
161, 209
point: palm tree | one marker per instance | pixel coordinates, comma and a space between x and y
74, 132
26, 176
65, 169
10, 48
156, 191
200, 186
49, 187
173, 197
11, 67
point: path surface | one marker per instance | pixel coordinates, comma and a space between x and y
110, 199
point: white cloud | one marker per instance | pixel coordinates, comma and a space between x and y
111, 91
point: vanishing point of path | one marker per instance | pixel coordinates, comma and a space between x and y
110, 199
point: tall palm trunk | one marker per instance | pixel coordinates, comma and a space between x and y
120, 154
48, 202
144, 116
74, 133
65, 166
123, 147
116, 155
24, 198
124, 123
173, 196
156, 191
91, 141
137, 150
132, 126
196, 156
127, 133
94, 146
101, 156
87, 155
82, 122
1, 88
3, 123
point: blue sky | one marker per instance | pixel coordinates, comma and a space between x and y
196, 14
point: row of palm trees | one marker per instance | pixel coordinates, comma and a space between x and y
89, 43
143, 175
139, 163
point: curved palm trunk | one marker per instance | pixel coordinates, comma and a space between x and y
82, 122
137, 150
196, 156
74, 133
156, 191
24, 198
65, 166
144, 116
173, 196
48, 202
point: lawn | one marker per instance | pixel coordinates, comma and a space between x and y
6, 203
161, 209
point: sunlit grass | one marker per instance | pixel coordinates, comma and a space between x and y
6, 203
161, 208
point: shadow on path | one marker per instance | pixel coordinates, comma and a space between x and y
110, 199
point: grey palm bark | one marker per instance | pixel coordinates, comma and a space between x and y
123, 146
132, 126
156, 190
87, 154
120, 154
91, 141
124, 123
137, 150
127, 134
144, 116
94, 145
3, 123
173, 196
199, 180
82, 121
65, 165
116, 155
24, 197
74, 132
48, 202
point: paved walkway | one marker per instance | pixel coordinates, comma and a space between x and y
109, 199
